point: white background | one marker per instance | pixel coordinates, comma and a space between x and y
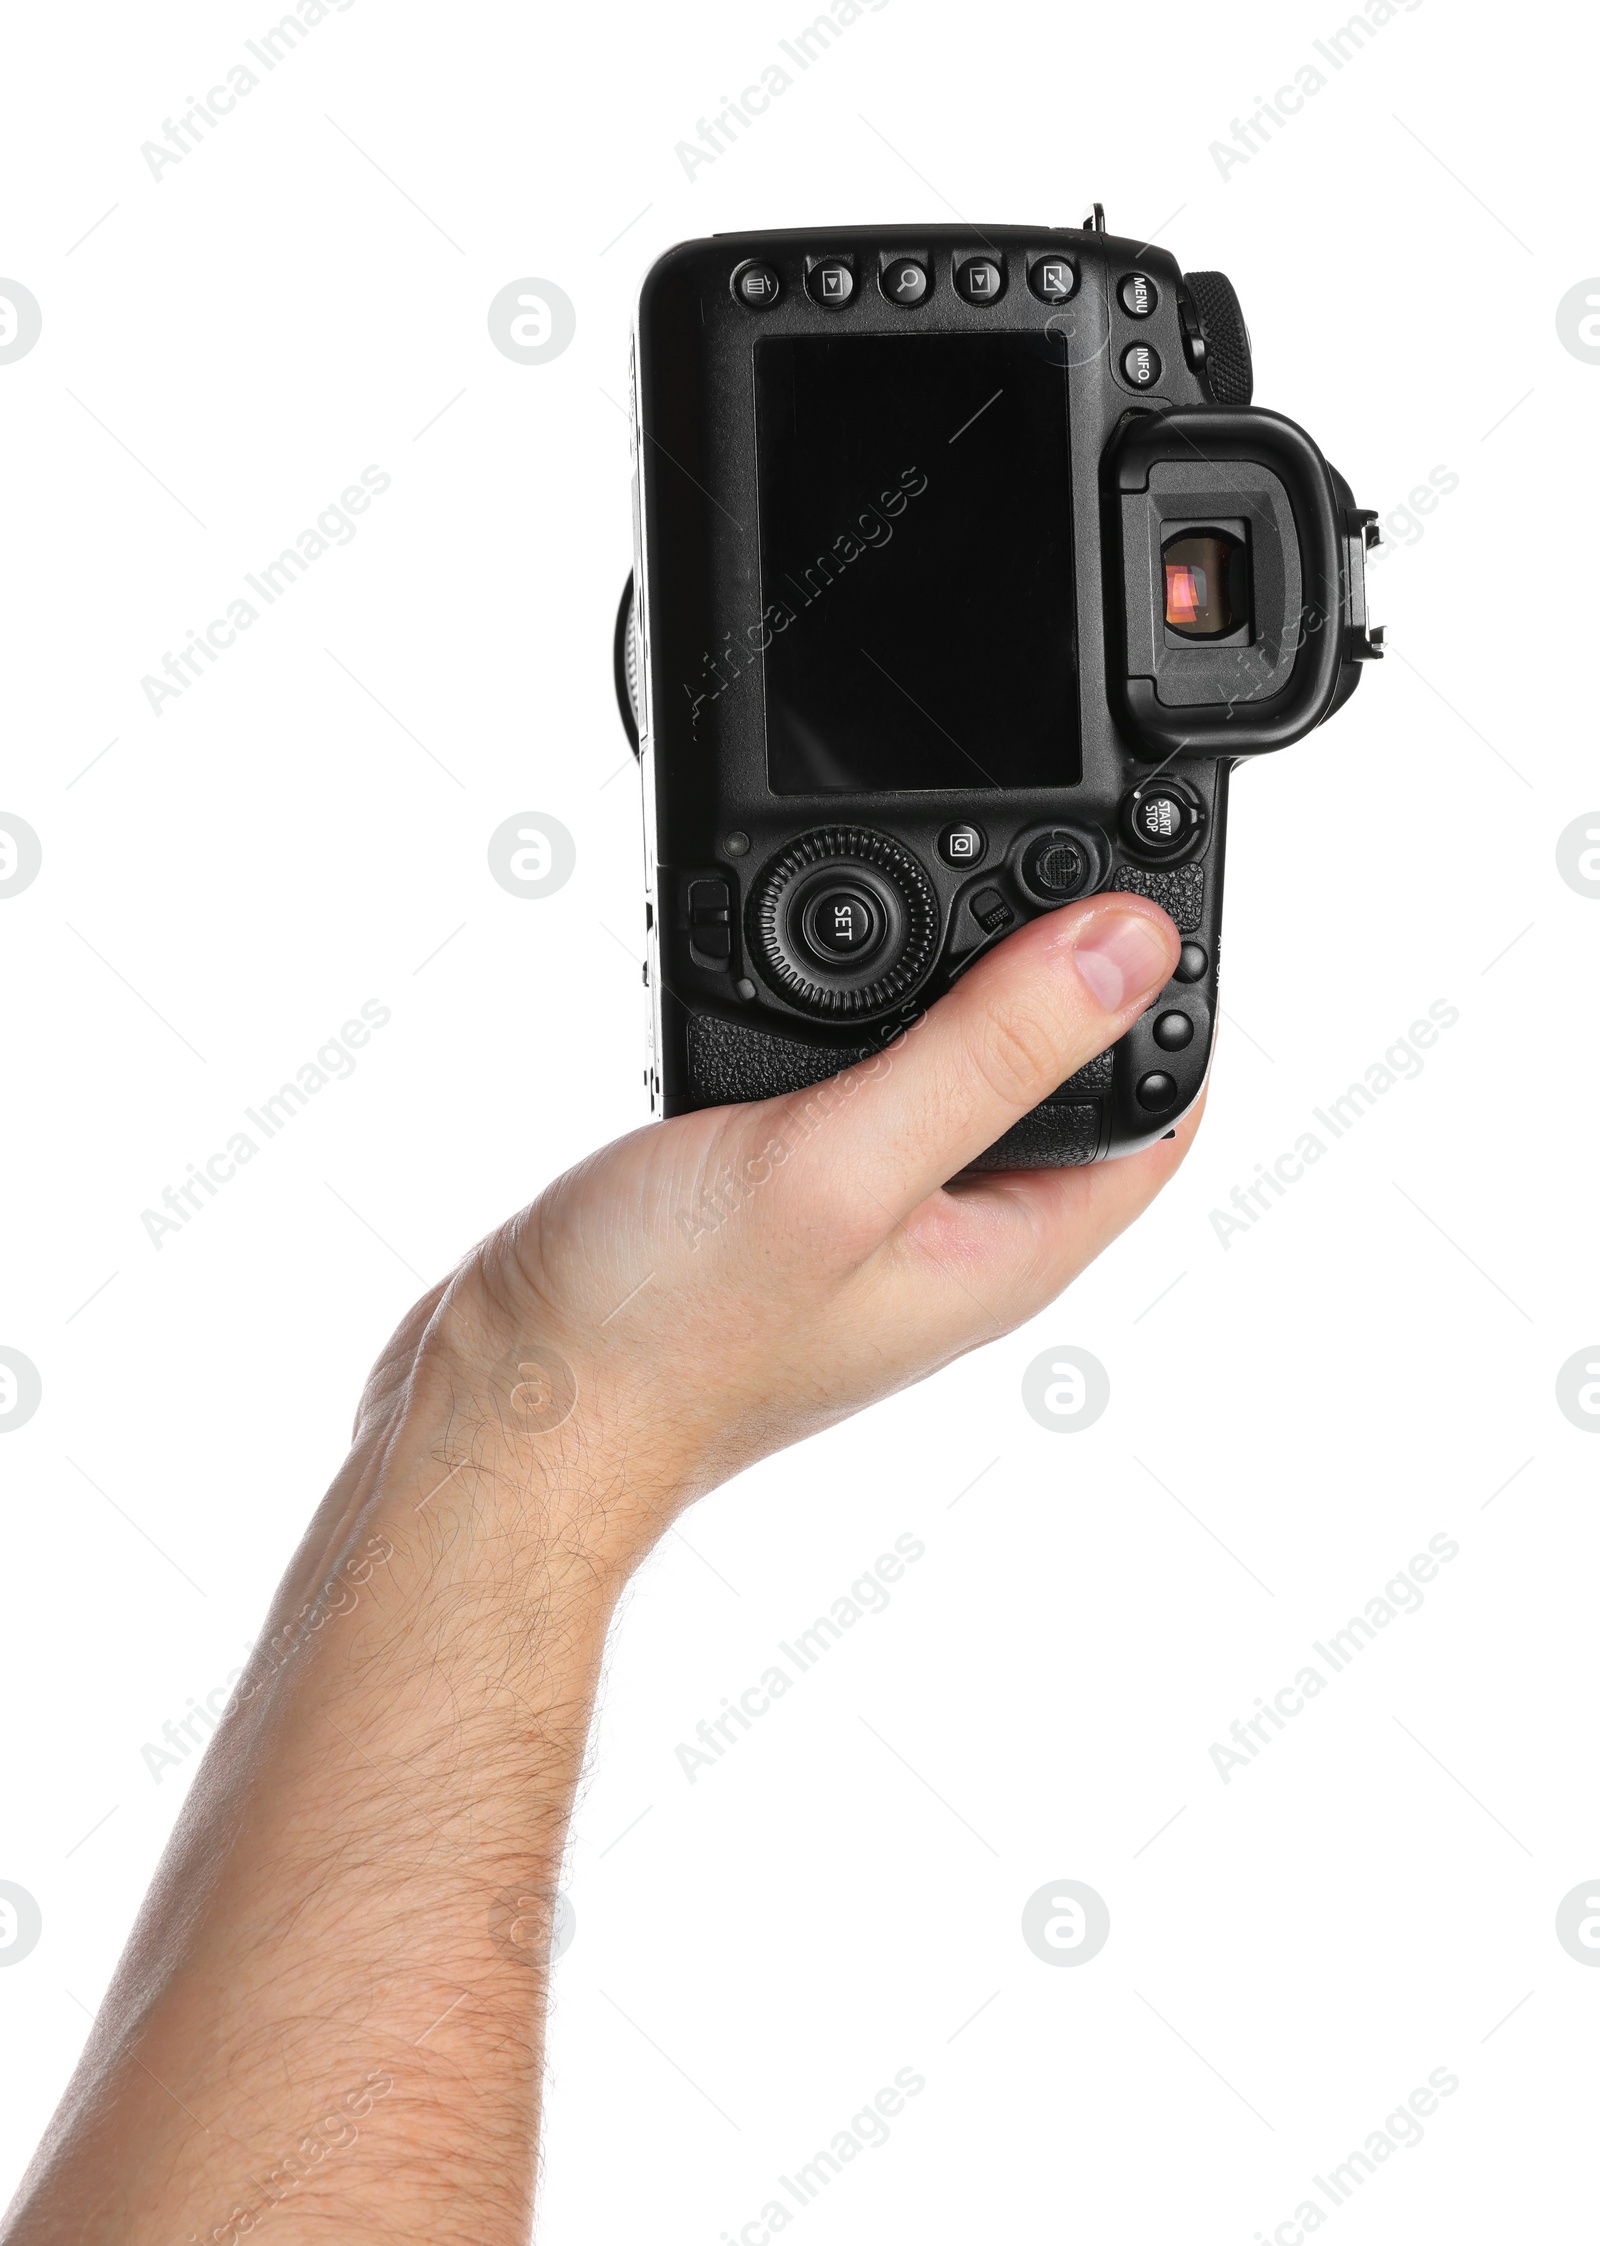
1291, 1417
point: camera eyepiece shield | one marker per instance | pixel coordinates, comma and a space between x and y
1238, 611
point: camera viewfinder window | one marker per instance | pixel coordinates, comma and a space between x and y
1207, 576
916, 547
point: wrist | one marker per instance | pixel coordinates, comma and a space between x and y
535, 1435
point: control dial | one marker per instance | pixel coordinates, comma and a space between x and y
1217, 338
843, 922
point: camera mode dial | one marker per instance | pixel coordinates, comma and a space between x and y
843, 923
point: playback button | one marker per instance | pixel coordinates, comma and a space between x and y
831, 282
981, 280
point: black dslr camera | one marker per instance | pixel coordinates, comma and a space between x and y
963, 573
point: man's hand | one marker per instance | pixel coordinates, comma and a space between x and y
716, 1288
329, 2017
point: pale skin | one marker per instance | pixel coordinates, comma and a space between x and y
328, 2022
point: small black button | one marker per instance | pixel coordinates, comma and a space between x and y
1052, 279
990, 911
1172, 1032
710, 912
1058, 866
962, 846
831, 283
843, 923
980, 280
758, 286
1192, 963
1138, 294
1141, 365
904, 281
1159, 819
708, 902
1157, 1090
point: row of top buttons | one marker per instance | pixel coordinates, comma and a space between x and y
906, 281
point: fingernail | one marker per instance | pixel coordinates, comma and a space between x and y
1121, 957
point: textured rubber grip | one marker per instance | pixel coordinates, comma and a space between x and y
1051, 1138
1094, 1076
1180, 891
729, 1063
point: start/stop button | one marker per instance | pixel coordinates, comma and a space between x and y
1161, 818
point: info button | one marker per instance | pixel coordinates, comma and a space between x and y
1141, 365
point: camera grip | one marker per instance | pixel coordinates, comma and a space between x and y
730, 1063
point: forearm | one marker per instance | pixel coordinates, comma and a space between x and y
357, 1890
333, 2002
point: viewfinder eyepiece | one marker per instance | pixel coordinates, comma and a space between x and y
1207, 574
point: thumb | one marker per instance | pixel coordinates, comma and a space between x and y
1018, 1024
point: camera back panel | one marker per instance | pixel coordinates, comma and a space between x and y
880, 685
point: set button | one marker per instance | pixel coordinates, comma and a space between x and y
845, 923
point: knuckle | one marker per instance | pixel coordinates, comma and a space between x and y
1018, 1052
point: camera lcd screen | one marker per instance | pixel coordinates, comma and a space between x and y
916, 563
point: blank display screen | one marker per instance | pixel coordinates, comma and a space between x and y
916, 563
